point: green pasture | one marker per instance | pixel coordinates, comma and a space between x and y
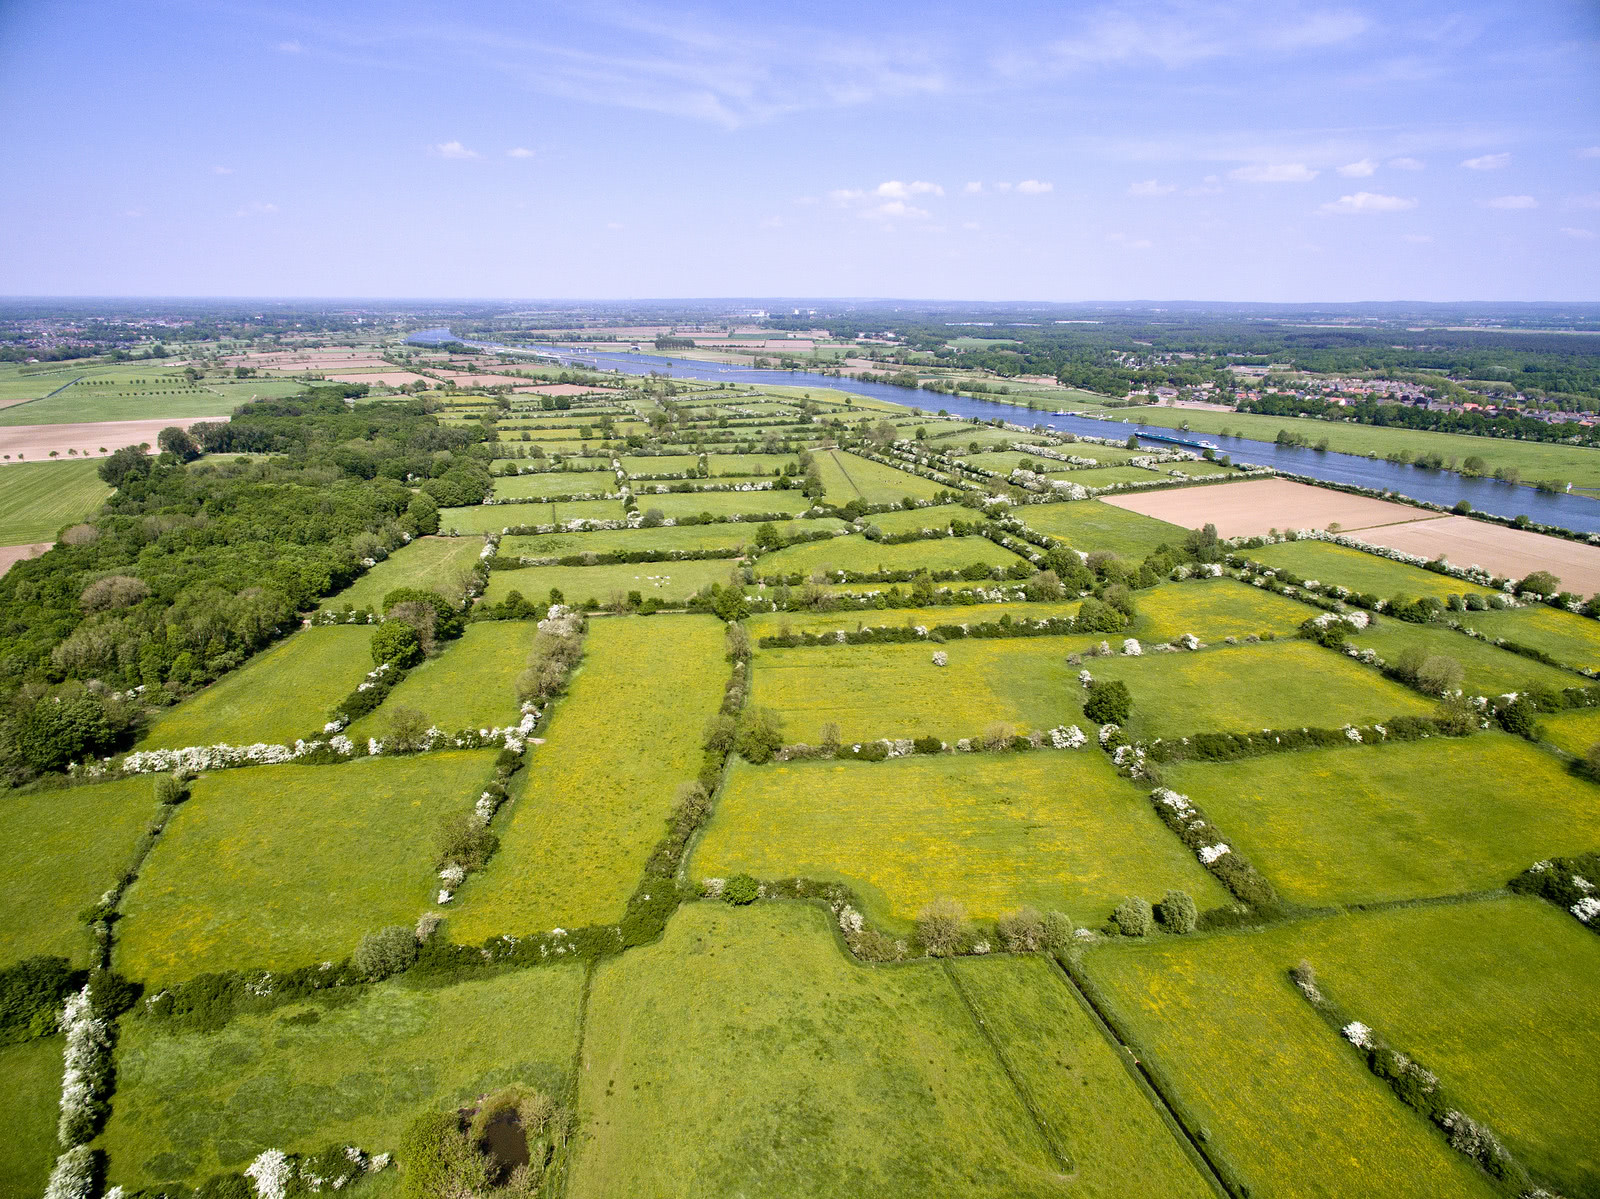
1577, 731
573, 465
1106, 476
896, 690
1361, 572
61, 851
767, 624
493, 518
1213, 609
856, 553
1089, 525
283, 866
669, 582
1277, 1094
1567, 637
678, 504
161, 399
37, 499
1109, 1128
831, 1080
1052, 828
304, 1076
847, 477
556, 482
748, 464
1488, 671
659, 464
1240, 689
436, 563
663, 539
471, 683
595, 797
29, 1108
318, 667
1398, 821
916, 519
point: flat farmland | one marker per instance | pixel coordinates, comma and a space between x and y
62, 850
284, 866
1567, 637
38, 498
1281, 1096
1361, 572
29, 1106
1106, 476
662, 539
1254, 506
1089, 525
170, 400
767, 624
917, 519
1213, 609
1240, 689
659, 464
678, 504
1373, 823
470, 684
301, 1077
1508, 552
797, 1037
318, 666
1109, 1128
1487, 670
896, 690
847, 477
1052, 828
33, 443
669, 582
595, 797
749, 464
856, 553
432, 563
1577, 732
494, 518
560, 482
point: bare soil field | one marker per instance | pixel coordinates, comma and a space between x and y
1252, 508
36, 441
559, 389
466, 379
1509, 552
16, 553
385, 378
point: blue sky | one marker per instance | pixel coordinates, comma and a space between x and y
1196, 149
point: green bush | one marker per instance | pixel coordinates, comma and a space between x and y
1021, 931
740, 890
942, 927
928, 745
1057, 932
31, 994
1177, 912
1133, 917
396, 643
760, 735
1109, 702
384, 952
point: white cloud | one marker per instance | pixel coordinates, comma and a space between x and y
897, 210
1002, 187
893, 189
291, 48
1034, 187
614, 225
519, 152
973, 189
1589, 152
1131, 243
222, 170
257, 208
1149, 187
1362, 202
971, 225
1282, 172
1420, 239
1579, 234
1512, 202
1211, 185
1407, 164
1487, 162
453, 150
1358, 170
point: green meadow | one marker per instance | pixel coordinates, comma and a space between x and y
858, 554
1089, 525
670, 582
1367, 574
38, 499
434, 563
28, 1107
471, 683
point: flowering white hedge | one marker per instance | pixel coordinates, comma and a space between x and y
73, 1176
87, 1068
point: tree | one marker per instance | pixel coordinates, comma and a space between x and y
178, 443
384, 952
1177, 912
760, 735
1540, 582
1109, 702
1203, 545
397, 643
124, 465
1133, 917
942, 927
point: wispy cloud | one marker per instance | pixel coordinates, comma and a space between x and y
1487, 162
1407, 164
896, 210
973, 189
222, 170
1589, 152
1282, 172
1419, 239
452, 150
1512, 202
1578, 234
1590, 200
291, 47
895, 190
519, 152
1359, 169
1034, 187
257, 208
1176, 35
1131, 243
1149, 187
1365, 202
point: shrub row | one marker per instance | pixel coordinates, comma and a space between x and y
1206, 841
1229, 747
1568, 883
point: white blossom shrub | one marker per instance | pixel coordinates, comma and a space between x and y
1358, 1034
86, 1071
272, 1173
1210, 853
1131, 648
1587, 909
940, 658
73, 1175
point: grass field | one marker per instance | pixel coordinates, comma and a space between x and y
664, 539
1277, 1091
847, 477
1488, 671
61, 851
161, 399
1362, 572
1089, 525
303, 1077
281, 866
957, 438
859, 554
433, 562
1105, 476
1375, 823
38, 498
470, 684
547, 483
318, 666
595, 798
1576, 732
670, 582
766, 624
817, 1094
1213, 609
748, 464
28, 1112
492, 518
1110, 1129
659, 464
923, 518
678, 504
1565, 636
1057, 829
1284, 684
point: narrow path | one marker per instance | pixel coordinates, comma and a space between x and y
834, 454
1052, 1145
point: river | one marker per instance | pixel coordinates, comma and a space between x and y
1569, 511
